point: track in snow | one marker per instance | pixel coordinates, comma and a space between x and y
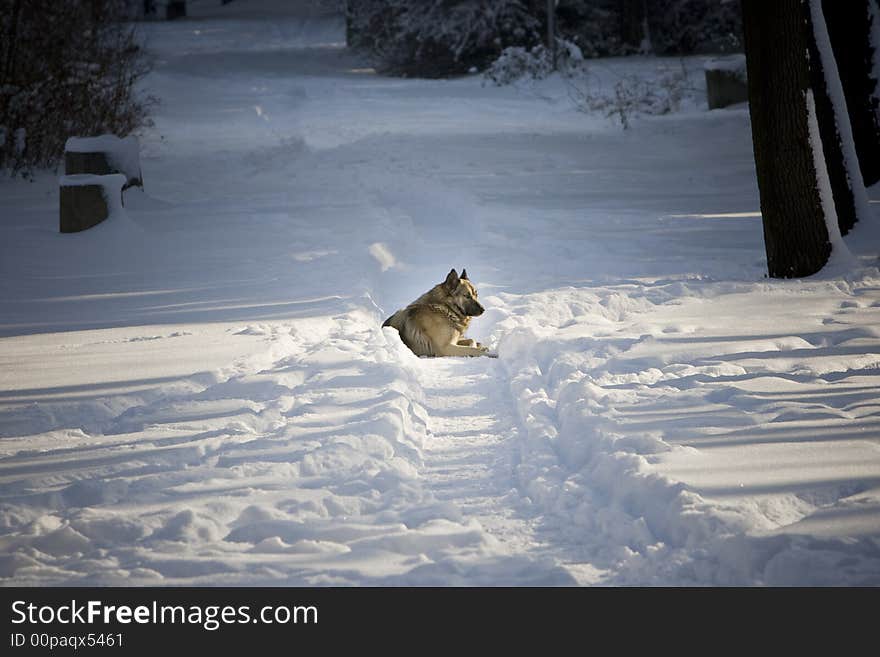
470, 455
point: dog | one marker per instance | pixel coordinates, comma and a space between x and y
434, 324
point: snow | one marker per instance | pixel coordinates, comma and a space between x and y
730, 63
199, 390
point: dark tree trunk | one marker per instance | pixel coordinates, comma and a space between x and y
795, 234
849, 26
632, 22
841, 185
11, 36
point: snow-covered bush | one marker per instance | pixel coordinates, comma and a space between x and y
66, 68
437, 38
516, 63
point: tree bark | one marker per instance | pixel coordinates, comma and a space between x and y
11, 36
849, 26
632, 22
795, 232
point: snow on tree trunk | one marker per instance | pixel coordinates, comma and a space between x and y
839, 251
832, 142
850, 197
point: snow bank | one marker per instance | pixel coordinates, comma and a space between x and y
610, 412
301, 465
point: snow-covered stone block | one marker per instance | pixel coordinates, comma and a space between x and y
104, 155
86, 200
726, 81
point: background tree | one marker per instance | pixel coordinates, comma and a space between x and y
788, 166
850, 26
633, 23
552, 33
436, 38
684, 27
835, 128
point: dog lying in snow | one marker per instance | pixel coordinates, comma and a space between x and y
434, 324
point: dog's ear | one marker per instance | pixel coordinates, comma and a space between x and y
464, 275
452, 279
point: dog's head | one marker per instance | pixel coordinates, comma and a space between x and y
463, 294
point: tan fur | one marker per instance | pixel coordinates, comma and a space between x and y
434, 324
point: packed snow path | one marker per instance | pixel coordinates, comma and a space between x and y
199, 391
471, 455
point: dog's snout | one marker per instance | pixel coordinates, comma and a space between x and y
476, 309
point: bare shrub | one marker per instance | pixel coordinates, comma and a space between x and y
632, 95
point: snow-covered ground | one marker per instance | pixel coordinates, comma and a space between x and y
198, 391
